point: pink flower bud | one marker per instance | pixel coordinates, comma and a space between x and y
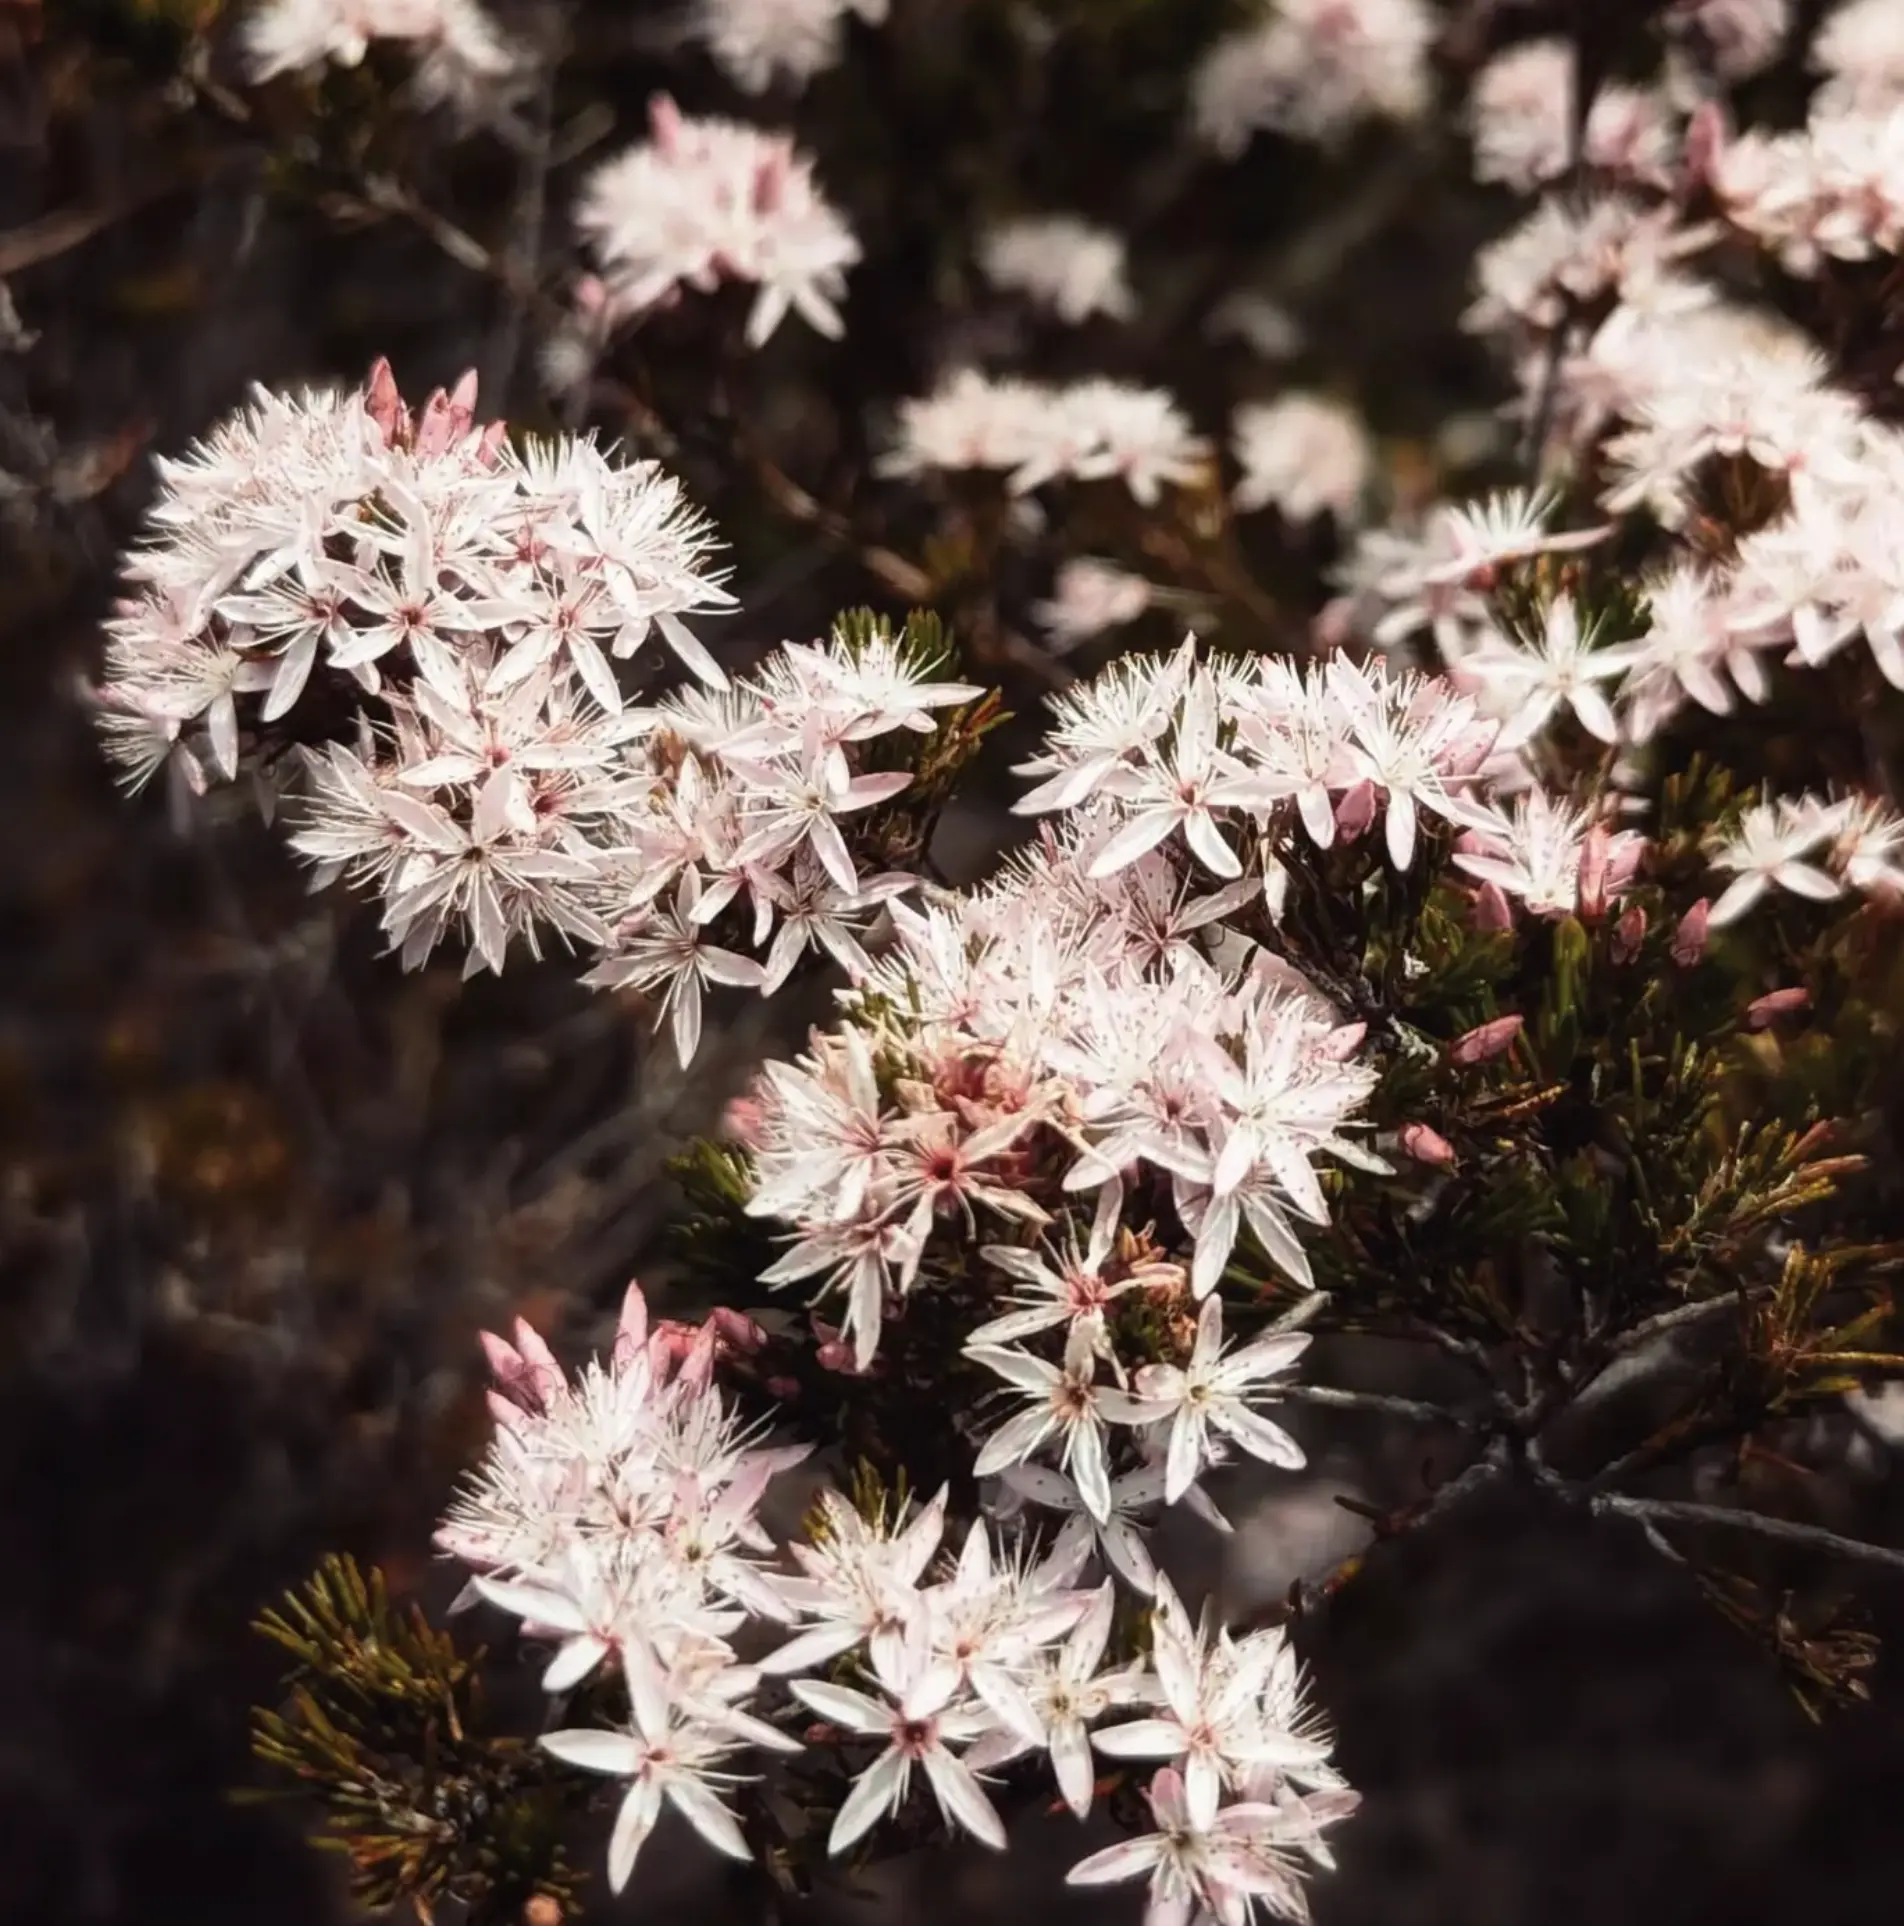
1355, 810
544, 1374
1486, 1040
736, 1330
741, 1122
1707, 137
1628, 933
784, 1389
384, 404
1427, 1146
1764, 1011
631, 1332
664, 123
1492, 910
1342, 1042
1689, 939
489, 448
1595, 853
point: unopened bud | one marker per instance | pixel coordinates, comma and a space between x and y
383, 403
737, 1329
1689, 939
741, 1122
1427, 1146
1628, 933
1486, 1040
542, 1910
1764, 1011
785, 1389
1342, 1042
1355, 810
1492, 910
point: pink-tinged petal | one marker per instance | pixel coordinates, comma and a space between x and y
633, 1824
595, 1751
1201, 833
1184, 1460
1138, 837
693, 656
1141, 1739
842, 1706
1071, 1766
816, 1647
535, 1604
708, 1816
576, 1660
872, 1797
962, 1799
1130, 1859
1202, 1789
1015, 1440
1260, 1438
648, 1695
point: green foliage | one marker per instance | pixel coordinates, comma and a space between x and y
386, 1727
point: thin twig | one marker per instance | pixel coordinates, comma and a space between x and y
1677, 1319
1416, 1410
1786, 1531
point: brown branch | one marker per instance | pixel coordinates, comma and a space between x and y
1651, 1512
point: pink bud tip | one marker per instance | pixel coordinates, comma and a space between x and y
1355, 810
1595, 855
741, 1122
1486, 1040
1689, 939
1492, 910
384, 404
783, 1388
1342, 1042
1427, 1146
631, 1331
1764, 1011
737, 1329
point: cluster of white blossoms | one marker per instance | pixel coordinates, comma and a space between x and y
616, 1516
1520, 119
460, 54
759, 43
1831, 191
1099, 1005
1087, 431
1062, 264
1859, 49
1304, 454
419, 632
1088, 598
1809, 846
1315, 70
708, 200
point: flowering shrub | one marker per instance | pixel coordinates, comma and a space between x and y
1459, 915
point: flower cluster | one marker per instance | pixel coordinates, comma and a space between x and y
1089, 431
1062, 264
460, 54
759, 42
1314, 70
704, 201
617, 1518
1304, 454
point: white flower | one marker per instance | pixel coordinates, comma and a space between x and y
1527, 684
1217, 1868
1064, 1402
919, 1724
1067, 1693
1769, 847
665, 1758
1061, 263
756, 42
709, 200
1090, 597
668, 950
1313, 69
1217, 1391
1303, 453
